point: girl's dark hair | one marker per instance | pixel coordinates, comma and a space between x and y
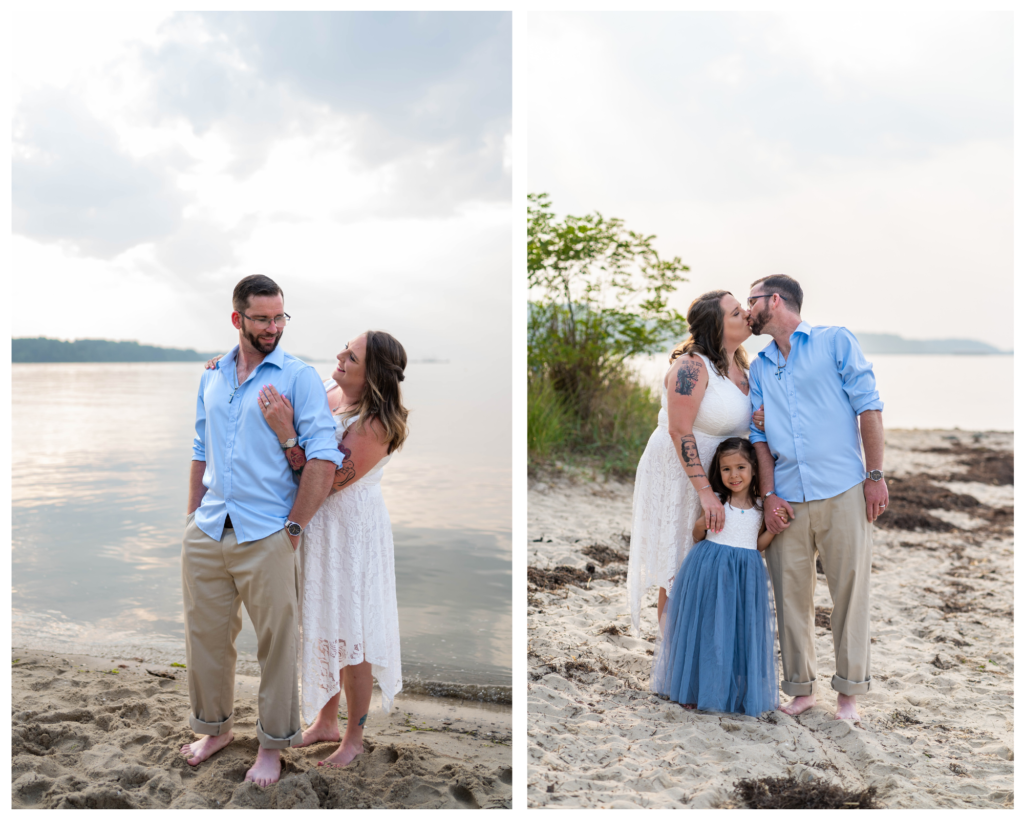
728, 447
382, 396
706, 319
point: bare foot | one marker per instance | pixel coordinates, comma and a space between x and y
345, 754
798, 705
320, 732
205, 747
267, 768
847, 708
689, 706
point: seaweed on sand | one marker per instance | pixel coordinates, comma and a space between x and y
787, 792
605, 555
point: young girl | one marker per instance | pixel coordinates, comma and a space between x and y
718, 647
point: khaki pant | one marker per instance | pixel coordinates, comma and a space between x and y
216, 579
838, 530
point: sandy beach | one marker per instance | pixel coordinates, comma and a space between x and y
936, 728
91, 732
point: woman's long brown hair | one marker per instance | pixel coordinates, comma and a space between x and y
382, 395
707, 333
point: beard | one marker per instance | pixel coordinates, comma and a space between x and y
758, 324
263, 346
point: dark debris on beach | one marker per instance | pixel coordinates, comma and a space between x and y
776, 792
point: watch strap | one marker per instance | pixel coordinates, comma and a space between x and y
289, 443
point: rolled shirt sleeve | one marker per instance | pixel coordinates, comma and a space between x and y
199, 442
857, 373
313, 420
754, 379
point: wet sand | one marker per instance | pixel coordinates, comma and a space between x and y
936, 728
92, 732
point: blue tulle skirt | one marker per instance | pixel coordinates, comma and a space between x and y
718, 633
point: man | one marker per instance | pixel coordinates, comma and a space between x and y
815, 385
245, 516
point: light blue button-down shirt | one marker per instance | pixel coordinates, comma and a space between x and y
811, 403
247, 475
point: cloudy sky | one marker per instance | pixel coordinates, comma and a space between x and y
362, 160
869, 157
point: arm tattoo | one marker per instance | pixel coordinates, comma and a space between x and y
688, 448
686, 377
296, 458
346, 472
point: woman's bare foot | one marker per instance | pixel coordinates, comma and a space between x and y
266, 770
205, 747
320, 731
846, 708
798, 705
345, 754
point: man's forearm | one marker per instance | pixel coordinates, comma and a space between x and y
873, 436
314, 486
196, 489
765, 466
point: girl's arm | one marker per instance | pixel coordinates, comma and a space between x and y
699, 529
687, 381
764, 538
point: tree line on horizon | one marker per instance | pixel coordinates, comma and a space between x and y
44, 350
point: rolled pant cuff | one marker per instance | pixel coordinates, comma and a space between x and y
798, 689
267, 741
851, 689
213, 729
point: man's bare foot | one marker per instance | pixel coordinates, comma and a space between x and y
846, 708
267, 768
798, 705
345, 754
205, 747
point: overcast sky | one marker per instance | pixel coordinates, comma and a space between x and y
869, 157
362, 160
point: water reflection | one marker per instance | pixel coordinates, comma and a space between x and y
100, 465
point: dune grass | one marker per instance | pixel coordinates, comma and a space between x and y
610, 439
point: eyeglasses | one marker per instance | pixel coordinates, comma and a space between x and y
752, 299
262, 322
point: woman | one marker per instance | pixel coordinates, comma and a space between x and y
348, 606
704, 400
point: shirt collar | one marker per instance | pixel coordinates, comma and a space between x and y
773, 348
276, 358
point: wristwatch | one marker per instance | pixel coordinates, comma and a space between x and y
876, 474
769, 493
292, 528
289, 443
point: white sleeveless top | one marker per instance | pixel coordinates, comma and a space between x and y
742, 526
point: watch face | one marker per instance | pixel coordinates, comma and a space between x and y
294, 529
875, 474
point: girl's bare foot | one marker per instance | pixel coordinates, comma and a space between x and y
267, 768
320, 731
205, 747
847, 708
345, 754
798, 705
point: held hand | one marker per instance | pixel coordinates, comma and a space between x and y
213, 362
277, 409
295, 542
714, 512
777, 514
758, 418
876, 498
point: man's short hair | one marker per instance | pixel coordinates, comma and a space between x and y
255, 285
785, 286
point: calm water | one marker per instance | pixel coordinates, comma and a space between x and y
972, 392
100, 462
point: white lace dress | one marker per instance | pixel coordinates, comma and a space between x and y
665, 504
349, 609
